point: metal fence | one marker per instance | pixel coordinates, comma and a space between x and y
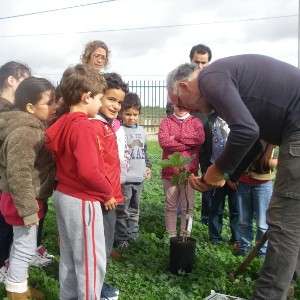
153, 95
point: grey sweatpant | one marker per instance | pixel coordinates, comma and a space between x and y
127, 214
82, 263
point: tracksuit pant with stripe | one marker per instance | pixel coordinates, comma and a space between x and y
82, 263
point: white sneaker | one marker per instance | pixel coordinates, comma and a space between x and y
41, 258
3, 271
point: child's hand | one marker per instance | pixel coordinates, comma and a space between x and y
148, 173
232, 185
32, 224
110, 204
273, 163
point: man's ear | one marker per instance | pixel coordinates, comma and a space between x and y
30, 108
183, 85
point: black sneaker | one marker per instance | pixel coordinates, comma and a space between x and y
109, 292
204, 221
261, 255
241, 252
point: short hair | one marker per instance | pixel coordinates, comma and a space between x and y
15, 69
182, 73
91, 47
114, 81
79, 80
201, 49
131, 100
30, 90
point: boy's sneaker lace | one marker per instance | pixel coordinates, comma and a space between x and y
41, 258
123, 245
3, 271
109, 292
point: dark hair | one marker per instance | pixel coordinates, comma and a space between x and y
15, 69
30, 90
201, 49
131, 100
58, 93
61, 107
114, 81
91, 47
79, 80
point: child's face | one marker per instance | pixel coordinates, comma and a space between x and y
94, 105
45, 108
130, 116
180, 111
111, 103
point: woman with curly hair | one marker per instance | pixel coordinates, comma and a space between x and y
96, 54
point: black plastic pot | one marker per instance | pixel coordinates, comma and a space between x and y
182, 254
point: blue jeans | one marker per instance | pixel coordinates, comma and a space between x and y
253, 201
206, 200
282, 259
216, 211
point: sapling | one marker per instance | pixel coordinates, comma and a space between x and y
181, 179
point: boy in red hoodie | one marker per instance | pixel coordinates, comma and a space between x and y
104, 124
82, 186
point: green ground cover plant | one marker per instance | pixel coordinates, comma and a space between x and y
143, 273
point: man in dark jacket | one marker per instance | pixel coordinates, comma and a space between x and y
259, 98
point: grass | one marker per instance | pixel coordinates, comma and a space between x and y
143, 273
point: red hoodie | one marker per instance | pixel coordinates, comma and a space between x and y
79, 164
110, 154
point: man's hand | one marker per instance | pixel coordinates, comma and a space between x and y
110, 204
213, 178
197, 183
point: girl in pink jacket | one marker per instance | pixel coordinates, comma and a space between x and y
184, 133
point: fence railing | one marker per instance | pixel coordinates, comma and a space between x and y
153, 97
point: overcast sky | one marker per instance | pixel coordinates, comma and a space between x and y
147, 38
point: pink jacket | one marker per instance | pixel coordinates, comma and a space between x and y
188, 136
